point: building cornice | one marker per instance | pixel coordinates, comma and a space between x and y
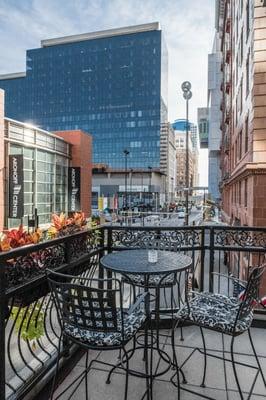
101, 34
33, 127
14, 75
247, 170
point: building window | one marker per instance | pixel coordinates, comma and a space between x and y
241, 7
240, 145
247, 20
246, 193
239, 192
247, 76
241, 47
241, 96
246, 134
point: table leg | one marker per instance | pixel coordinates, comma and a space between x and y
147, 325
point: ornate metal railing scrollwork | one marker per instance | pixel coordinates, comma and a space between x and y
31, 327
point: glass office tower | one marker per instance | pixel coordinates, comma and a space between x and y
112, 84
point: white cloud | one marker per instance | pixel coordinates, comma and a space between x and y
188, 27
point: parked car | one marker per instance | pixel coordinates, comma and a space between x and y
181, 214
152, 218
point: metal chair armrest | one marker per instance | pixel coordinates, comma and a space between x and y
140, 299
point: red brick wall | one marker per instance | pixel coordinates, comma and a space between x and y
2, 159
81, 157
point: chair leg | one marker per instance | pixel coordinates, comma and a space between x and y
205, 358
234, 368
127, 373
257, 359
86, 376
175, 360
56, 369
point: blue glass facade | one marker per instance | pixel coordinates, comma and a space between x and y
112, 87
180, 125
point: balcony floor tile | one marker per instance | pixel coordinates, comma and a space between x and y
216, 380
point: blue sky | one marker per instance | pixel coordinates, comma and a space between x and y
188, 27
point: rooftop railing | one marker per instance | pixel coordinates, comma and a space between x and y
29, 329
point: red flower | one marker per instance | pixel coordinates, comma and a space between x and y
263, 301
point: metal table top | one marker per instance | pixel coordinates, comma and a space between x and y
136, 262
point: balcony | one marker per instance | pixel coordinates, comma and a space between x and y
227, 87
228, 25
226, 145
29, 328
226, 176
227, 118
228, 56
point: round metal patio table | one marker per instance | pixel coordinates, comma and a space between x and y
130, 262
136, 262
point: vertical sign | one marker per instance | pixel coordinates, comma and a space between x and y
74, 188
16, 190
100, 203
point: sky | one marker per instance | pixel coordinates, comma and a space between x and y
188, 27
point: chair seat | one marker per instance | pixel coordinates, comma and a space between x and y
216, 311
154, 280
132, 323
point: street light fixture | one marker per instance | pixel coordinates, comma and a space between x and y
187, 94
126, 153
186, 86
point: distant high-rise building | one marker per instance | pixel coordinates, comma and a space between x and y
111, 83
168, 160
193, 145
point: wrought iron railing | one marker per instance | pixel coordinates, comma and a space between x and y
28, 325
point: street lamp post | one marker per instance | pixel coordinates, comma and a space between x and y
126, 153
150, 169
187, 94
131, 177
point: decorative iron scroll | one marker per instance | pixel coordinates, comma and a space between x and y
168, 240
241, 238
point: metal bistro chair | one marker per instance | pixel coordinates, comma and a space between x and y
90, 312
224, 314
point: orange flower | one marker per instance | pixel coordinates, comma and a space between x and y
5, 244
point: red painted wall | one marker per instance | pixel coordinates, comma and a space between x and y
81, 157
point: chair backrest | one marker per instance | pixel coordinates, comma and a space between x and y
86, 303
251, 293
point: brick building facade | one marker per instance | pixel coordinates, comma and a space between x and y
242, 30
